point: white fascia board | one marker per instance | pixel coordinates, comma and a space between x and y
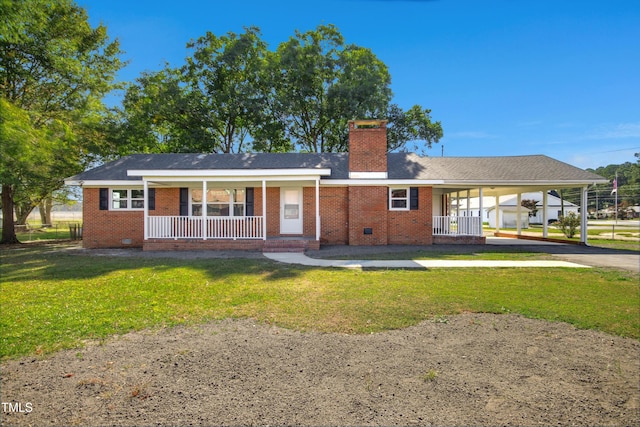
105, 183
234, 173
164, 179
533, 183
368, 175
380, 182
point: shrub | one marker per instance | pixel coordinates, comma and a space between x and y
569, 224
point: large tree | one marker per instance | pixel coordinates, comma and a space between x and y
321, 84
234, 95
54, 70
211, 104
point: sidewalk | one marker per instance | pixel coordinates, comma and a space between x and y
302, 259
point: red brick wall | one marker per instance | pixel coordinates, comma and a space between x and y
198, 244
108, 229
368, 209
413, 227
344, 211
273, 211
309, 212
334, 215
167, 202
257, 201
368, 148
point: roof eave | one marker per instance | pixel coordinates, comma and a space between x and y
228, 173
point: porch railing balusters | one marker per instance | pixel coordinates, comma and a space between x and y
457, 226
189, 227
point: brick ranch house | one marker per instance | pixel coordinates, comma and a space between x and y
297, 201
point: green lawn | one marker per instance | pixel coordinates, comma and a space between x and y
53, 299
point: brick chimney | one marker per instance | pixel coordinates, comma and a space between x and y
368, 149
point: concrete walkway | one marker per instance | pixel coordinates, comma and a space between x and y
302, 259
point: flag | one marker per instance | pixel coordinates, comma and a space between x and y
615, 186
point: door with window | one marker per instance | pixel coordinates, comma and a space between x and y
291, 210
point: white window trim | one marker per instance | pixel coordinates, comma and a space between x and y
406, 199
232, 202
128, 199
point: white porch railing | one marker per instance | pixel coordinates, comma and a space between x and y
457, 226
191, 227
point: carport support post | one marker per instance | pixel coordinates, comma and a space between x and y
583, 215
480, 197
497, 213
545, 220
519, 214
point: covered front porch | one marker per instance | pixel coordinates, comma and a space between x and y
229, 209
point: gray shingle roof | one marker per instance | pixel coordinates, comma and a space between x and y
400, 166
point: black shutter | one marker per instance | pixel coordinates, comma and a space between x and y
184, 202
413, 198
249, 201
152, 199
388, 198
104, 199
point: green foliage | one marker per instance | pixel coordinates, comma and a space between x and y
412, 125
54, 70
568, 224
628, 174
235, 95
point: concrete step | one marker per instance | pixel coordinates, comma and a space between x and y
284, 245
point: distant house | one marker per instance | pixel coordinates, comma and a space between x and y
296, 201
509, 207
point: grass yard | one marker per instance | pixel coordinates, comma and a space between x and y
53, 299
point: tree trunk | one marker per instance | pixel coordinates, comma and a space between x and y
45, 207
8, 226
23, 209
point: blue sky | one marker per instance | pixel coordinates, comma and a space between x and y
505, 77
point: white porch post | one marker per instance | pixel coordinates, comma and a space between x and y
469, 204
318, 209
545, 220
457, 203
146, 209
583, 215
497, 209
480, 196
264, 209
519, 214
204, 209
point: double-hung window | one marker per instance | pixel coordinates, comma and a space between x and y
403, 198
399, 199
127, 199
219, 201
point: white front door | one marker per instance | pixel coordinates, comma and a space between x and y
291, 210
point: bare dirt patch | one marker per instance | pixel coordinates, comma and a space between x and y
470, 369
